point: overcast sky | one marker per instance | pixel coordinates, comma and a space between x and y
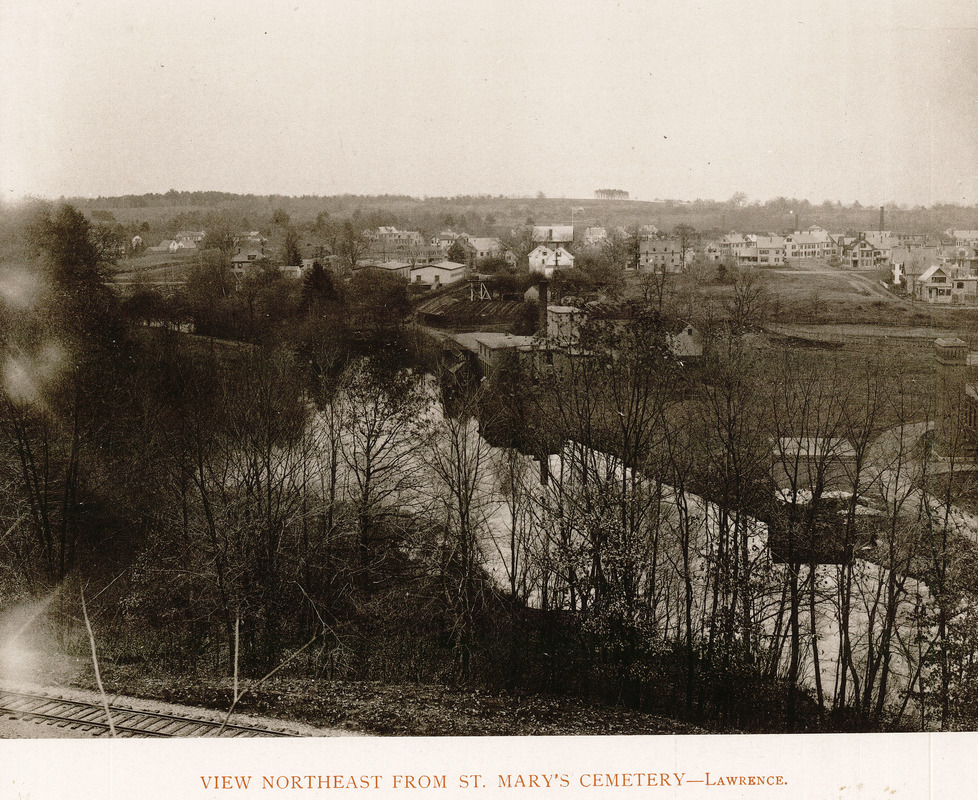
875, 101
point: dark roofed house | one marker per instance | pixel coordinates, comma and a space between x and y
250, 237
858, 254
472, 250
401, 269
246, 260
490, 348
553, 234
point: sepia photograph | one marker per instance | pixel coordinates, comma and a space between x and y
501, 396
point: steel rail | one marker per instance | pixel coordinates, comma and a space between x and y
131, 722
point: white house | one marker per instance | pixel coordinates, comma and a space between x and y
731, 245
546, 259
943, 284
803, 245
440, 274
908, 263
389, 243
770, 250
685, 341
250, 237
444, 240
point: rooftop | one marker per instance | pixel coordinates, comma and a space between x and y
494, 341
502, 341
553, 233
450, 266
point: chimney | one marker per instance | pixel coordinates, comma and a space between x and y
881, 219
544, 301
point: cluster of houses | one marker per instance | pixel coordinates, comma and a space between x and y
945, 274
449, 257
387, 244
439, 261
184, 240
557, 341
932, 271
868, 250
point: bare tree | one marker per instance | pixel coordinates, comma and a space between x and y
688, 238
352, 246
748, 305
461, 462
385, 422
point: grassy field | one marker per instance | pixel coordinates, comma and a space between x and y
838, 297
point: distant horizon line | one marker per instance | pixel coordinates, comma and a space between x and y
747, 203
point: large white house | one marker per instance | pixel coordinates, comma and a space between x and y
661, 255
546, 259
770, 250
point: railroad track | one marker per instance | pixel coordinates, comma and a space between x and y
127, 722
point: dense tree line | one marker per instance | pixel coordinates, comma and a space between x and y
163, 214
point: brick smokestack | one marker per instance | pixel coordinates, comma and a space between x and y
881, 219
543, 288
